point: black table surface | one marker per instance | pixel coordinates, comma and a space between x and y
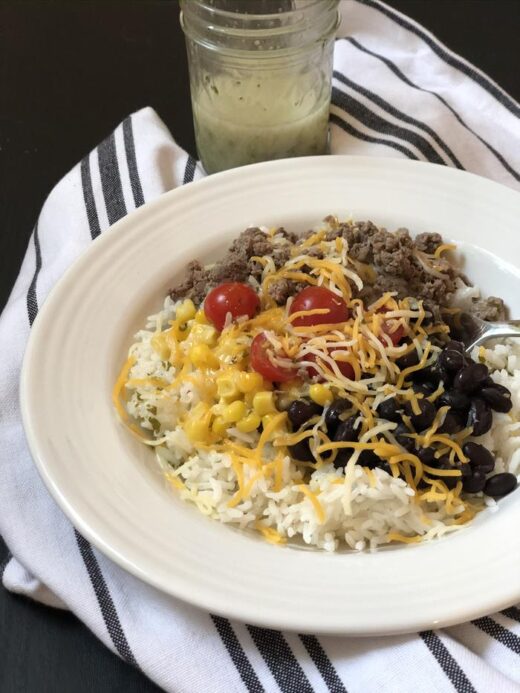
70, 71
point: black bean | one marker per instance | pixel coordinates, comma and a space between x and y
480, 417
426, 388
451, 360
424, 375
368, 458
427, 456
333, 413
301, 410
453, 422
454, 399
451, 481
342, 458
408, 360
475, 482
385, 467
470, 378
456, 346
425, 418
497, 400
388, 410
479, 456
301, 451
345, 433
402, 435
500, 485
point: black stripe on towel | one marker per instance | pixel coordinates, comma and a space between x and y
447, 663
32, 301
397, 72
88, 197
237, 654
131, 160
448, 57
281, 661
111, 180
498, 633
108, 609
347, 127
323, 664
392, 110
513, 613
189, 171
375, 122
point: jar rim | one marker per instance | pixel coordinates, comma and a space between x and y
214, 28
252, 15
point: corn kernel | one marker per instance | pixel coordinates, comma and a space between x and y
202, 356
249, 423
263, 403
200, 317
234, 412
247, 382
227, 387
197, 430
320, 394
186, 311
219, 426
204, 334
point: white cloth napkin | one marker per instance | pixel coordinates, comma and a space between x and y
397, 92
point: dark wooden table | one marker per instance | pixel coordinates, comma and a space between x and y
69, 72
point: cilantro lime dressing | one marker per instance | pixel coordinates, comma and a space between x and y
242, 121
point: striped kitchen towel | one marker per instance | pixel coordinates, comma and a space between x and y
397, 92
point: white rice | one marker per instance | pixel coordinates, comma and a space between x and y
357, 513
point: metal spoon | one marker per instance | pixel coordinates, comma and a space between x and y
472, 331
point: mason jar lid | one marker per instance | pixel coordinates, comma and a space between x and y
275, 26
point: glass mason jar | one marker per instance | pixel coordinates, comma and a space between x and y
260, 83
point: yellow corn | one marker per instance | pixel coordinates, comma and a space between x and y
234, 412
320, 394
197, 430
200, 317
247, 382
186, 311
263, 403
202, 357
219, 426
204, 334
227, 387
249, 423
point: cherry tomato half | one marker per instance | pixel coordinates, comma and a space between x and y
344, 367
261, 363
318, 297
396, 335
231, 297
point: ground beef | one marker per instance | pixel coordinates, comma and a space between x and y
398, 262
492, 309
282, 289
236, 265
428, 242
394, 259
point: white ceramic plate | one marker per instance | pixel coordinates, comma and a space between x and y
107, 483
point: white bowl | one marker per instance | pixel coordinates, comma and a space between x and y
108, 484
